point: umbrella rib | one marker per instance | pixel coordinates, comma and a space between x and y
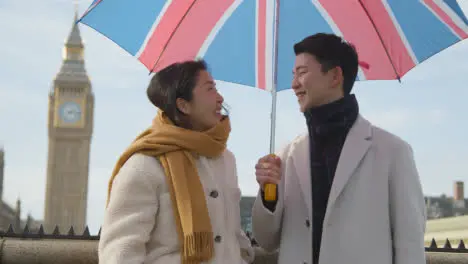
381, 40
172, 34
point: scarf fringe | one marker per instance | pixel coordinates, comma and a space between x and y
198, 247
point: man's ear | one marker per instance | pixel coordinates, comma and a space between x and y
337, 77
183, 106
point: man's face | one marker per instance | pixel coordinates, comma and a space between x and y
312, 86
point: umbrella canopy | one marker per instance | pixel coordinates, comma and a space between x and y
247, 42
250, 42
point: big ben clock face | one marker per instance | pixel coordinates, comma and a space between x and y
69, 112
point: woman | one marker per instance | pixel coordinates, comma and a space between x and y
173, 195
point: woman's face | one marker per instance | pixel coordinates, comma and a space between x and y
204, 110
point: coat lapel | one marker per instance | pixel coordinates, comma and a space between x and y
355, 147
301, 160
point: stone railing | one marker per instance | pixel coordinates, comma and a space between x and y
56, 248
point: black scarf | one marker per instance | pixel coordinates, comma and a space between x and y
326, 120
328, 127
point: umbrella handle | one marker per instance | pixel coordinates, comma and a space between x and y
270, 192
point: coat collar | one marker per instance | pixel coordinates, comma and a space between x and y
355, 147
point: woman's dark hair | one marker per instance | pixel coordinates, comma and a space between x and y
175, 81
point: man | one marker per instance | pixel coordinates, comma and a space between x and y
348, 191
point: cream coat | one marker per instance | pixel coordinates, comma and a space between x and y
375, 214
139, 224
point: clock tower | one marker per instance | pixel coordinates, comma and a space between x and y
70, 126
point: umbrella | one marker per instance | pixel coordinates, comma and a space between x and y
250, 42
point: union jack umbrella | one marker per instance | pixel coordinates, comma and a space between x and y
250, 41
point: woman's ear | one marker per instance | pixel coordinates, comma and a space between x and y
183, 106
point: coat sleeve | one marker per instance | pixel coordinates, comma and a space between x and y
266, 223
407, 208
129, 217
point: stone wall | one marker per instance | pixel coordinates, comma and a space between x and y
75, 251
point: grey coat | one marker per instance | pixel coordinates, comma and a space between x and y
375, 214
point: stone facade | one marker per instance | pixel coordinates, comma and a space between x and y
70, 125
61, 251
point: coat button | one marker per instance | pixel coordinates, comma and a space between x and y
217, 239
214, 193
307, 222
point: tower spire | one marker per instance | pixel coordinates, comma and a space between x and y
74, 38
77, 4
73, 66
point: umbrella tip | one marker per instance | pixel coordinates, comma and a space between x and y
76, 3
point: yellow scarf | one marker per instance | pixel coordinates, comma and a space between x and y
175, 147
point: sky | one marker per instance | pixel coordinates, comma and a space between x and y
427, 109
